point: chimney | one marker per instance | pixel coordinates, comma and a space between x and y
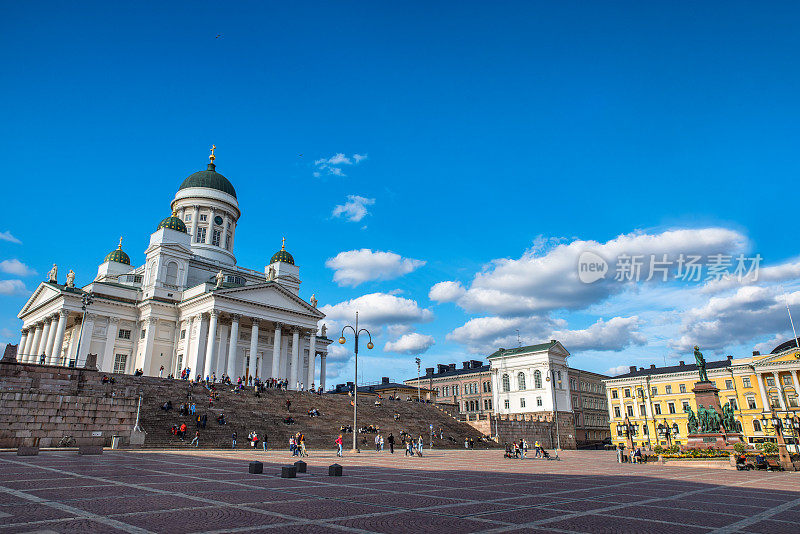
641, 368
756, 353
730, 357
652, 366
350, 384
553, 341
428, 371
465, 365
442, 368
476, 364
681, 364
452, 367
632, 368
384, 380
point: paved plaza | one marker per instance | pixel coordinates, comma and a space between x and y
444, 492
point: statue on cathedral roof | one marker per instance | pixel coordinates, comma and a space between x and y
52, 276
71, 278
220, 278
270, 273
313, 300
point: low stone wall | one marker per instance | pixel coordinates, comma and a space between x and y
41, 405
532, 429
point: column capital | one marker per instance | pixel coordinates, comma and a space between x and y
255, 320
63, 313
113, 320
278, 325
152, 320
23, 331
91, 317
214, 313
235, 317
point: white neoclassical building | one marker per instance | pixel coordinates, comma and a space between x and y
188, 306
531, 379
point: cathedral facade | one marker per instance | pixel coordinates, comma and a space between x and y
190, 306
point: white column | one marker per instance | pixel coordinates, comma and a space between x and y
294, 371
202, 338
764, 399
21, 346
285, 359
29, 344
231, 371
147, 353
312, 354
778, 385
107, 363
276, 351
211, 345
58, 344
222, 349
51, 337
86, 339
43, 339
210, 227
796, 385
195, 216
322, 359
253, 348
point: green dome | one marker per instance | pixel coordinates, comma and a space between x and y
118, 255
282, 255
173, 223
210, 179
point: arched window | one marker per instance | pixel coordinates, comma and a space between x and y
537, 379
172, 273
756, 425
506, 383
521, 381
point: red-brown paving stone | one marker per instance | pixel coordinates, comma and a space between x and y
242, 496
578, 506
601, 524
474, 494
523, 515
127, 505
339, 491
63, 527
692, 517
772, 527
414, 522
67, 494
25, 513
323, 508
297, 529
200, 520
402, 500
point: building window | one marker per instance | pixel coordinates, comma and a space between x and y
756, 425
521, 403
746, 382
203, 217
201, 235
685, 405
682, 387
215, 235
455, 390
787, 380
732, 404
506, 404
558, 373
124, 334
729, 384
642, 410
616, 412
668, 389
180, 361
657, 409
187, 217
614, 394
629, 410
506, 383
774, 401
143, 334
671, 407
538, 401
119, 363
770, 381
172, 273
183, 334
521, 381
445, 390
627, 393
537, 379
751, 403
227, 241
654, 391
792, 401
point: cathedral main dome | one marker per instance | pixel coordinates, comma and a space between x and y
210, 179
282, 255
118, 255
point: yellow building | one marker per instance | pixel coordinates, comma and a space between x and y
652, 400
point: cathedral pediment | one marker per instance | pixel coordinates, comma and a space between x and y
270, 294
42, 295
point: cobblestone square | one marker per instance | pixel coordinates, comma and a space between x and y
445, 491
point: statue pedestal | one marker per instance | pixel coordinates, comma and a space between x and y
707, 394
713, 440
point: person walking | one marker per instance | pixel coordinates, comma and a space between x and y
420, 443
381, 443
538, 450
196, 440
303, 451
390, 439
264, 441
339, 445
377, 442
161, 372
233, 440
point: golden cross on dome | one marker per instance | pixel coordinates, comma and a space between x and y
120, 243
283, 244
212, 157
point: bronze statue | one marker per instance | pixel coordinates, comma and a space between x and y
701, 364
691, 420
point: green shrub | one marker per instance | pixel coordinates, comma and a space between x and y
740, 447
768, 447
658, 449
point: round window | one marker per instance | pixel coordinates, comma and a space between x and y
218, 220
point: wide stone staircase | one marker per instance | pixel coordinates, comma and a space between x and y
245, 412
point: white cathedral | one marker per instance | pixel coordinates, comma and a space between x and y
189, 305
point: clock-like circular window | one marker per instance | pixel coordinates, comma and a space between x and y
218, 220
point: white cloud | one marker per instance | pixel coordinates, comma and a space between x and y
748, 313
354, 209
6, 236
12, 287
333, 165
14, 266
354, 267
376, 310
446, 291
410, 344
613, 335
776, 273
618, 370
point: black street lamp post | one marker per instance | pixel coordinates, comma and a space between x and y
342, 340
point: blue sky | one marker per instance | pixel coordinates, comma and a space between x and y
483, 144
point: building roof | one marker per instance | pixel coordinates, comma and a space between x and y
210, 179
173, 223
680, 368
786, 345
374, 388
118, 255
521, 350
282, 255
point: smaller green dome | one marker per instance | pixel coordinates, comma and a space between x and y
118, 255
173, 223
282, 255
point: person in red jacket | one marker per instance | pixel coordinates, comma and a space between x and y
339, 444
183, 431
